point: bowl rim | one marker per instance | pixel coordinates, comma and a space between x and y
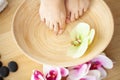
60, 64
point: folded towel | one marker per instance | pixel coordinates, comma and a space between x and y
3, 4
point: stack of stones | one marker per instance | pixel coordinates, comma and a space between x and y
5, 70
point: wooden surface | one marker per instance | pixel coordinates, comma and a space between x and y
9, 51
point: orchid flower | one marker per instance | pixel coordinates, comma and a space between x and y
92, 70
101, 62
50, 73
81, 37
54, 73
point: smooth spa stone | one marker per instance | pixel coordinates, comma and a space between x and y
4, 71
12, 66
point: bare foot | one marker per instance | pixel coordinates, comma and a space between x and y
76, 8
53, 13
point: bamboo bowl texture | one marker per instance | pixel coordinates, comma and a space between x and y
42, 45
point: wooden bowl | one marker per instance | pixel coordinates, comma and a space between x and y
42, 45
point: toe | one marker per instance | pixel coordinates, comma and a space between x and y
61, 27
86, 6
76, 15
51, 26
55, 28
80, 12
68, 17
72, 18
47, 23
42, 19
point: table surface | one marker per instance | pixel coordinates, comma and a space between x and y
10, 52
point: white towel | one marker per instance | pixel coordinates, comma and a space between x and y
3, 4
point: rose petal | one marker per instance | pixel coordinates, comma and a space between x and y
105, 61
103, 72
91, 36
64, 72
77, 52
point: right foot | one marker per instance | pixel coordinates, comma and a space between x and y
53, 13
75, 8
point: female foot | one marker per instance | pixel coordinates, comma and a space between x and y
76, 8
53, 13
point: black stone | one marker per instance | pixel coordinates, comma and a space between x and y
1, 78
4, 71
12, 66
0, 64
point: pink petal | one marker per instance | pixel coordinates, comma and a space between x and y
104, 60
76, 74
103, 72
47, 69
75, 67
95, 73
88, 78
40, 76
64, 72
59, 76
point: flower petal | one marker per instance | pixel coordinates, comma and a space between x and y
80, 31
103, 72
64, 72
95, 73
81, 49
47, 69
104, 60
76, 74
59, 76
88, 78
91, 36
37, 75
